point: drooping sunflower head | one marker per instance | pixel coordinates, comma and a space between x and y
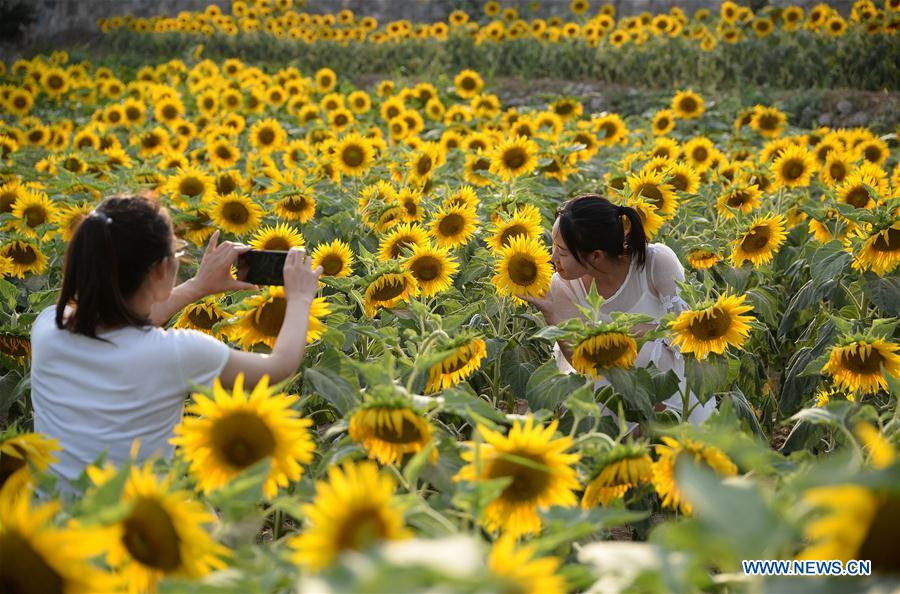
230, 431
603, 349
523, 268
701, 258
714, 328
760, 241
387, 289
625, 466
669, 452
465, 356
353, 509
541, 474
861, 364
390, 429
202, 315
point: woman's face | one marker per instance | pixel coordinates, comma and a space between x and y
565, 263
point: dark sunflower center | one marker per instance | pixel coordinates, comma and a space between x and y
522, 270
878, 545
35, 215
426, 268
23, 570
662, 123
340, 120
223, 152
190, 186
408, 433
242, 439
858, 196
150, 536
768, 122
278, 243
551, 167
169, 112
423, 165
451, 225
652, 193
793, 169
528, 481
563, 109
514, 158
235, 213
837, 171
757, 239
202, 318
270, 317
400, 243
353, 156
511, 233
700, 154
20, 102
133, 113
332, 264
604, 356
863, 364
738, 198
74, 165
887, 242
688, 104
468, 83
711, 326
266, 136
609, 129
872, 153
390, 288
362, 528
22, 254
55, 82
10, 464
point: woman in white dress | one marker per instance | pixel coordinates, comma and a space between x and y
591, 245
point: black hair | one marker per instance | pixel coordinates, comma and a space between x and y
591, 222
110, 254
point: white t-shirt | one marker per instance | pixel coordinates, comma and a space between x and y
92, 395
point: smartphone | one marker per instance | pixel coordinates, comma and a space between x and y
262, 267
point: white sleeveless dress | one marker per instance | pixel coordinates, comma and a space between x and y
652, 291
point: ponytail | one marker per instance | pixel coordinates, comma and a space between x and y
591, 222
110, 254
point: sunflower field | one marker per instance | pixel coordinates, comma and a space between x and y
429, 441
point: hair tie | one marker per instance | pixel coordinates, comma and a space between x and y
102, 216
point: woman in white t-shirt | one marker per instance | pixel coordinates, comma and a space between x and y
104, 373
591, 246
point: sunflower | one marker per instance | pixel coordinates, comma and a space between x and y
524, 222
838, 164
161, 535
744, 198
874, 150
19, 452
760, 241
520, 567
390, 430
261, 316
353, 155
682, 177
857, 524
387, 289
611, 130
514, 157
687, 105
664, 468
453, 225
567, 109
702, 259
335, 258
281, 237
769, 122
523, 268
422, 163
55, 82
651, 221
475, 168
627, 465
856, 364
468, 84
432, 267
880, 252
353, 510
466, 354
603, 349
663, 122
192, 183
202, 315
236, 213
222, 153
410, 200
699, 153
38, 557
26, 257
326, 80
403, 235
32, 210
854, 190
229, 432
713, 329
794, 167
653, 189
296, 204
267, 135
541, 474
464, 196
